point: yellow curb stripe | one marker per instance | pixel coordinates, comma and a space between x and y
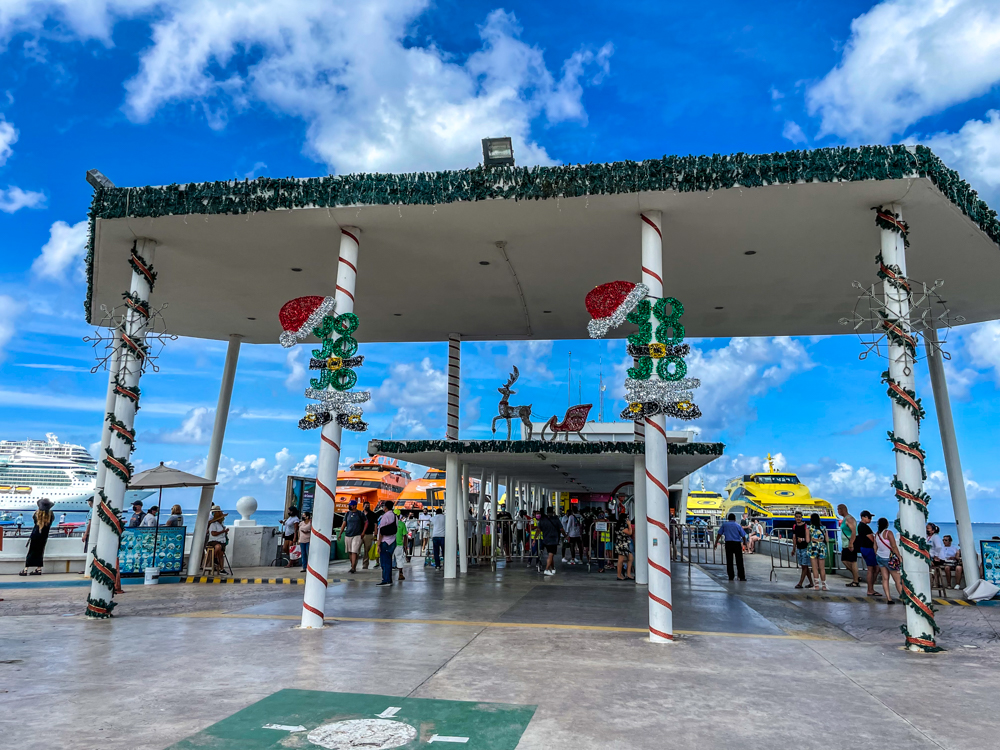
486, 624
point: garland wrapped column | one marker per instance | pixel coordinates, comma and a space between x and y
657, 521
318, 565
114, 364
120, 426
907, 412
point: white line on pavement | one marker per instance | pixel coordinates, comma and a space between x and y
286, 727
442, 738
389, 712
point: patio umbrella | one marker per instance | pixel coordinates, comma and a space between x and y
164, 477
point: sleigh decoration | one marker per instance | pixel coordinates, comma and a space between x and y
574, 421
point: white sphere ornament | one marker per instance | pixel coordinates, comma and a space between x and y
246, 506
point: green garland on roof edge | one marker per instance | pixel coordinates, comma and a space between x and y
538, 446
671, 173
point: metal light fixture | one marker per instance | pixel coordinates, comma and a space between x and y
498, 152
98, 180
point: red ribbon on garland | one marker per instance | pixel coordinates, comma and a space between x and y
915, 548
898, 390
904, 495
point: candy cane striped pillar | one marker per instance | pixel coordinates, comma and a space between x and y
661, 621
640, 509
920, 625
114, 365
463, 521
121, 424
454, 384
314, 596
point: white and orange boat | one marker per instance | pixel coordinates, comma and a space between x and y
371, 480
428, 491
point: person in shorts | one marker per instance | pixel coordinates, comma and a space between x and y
355, 526
800, 535
550, 530
848, 532
864, 544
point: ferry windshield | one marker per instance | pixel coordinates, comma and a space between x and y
358, 483
434, 475
776, 479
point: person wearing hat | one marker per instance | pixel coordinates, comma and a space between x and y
39, 536
137, 515
151, 519
217, 535
355, 526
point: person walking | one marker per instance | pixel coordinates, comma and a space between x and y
734, 536
289, 527
19, 523
39, 536
372, 521
624, 532
386, 535
573, 528
303, 535
355, 526
551, 530
437, 536
800, 535
888, 557
865, 545
817, 549
400, 557
412, 534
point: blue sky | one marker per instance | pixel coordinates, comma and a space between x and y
154, 92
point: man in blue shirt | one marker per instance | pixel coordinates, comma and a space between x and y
734, 536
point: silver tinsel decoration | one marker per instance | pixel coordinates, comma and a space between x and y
600, 326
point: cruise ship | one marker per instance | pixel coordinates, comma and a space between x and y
33, 469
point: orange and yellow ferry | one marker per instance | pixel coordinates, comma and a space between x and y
371, 480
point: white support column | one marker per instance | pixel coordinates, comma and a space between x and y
318, 565
952, 460
494, 509
639, 507
214, 454
114, 365
657, 521
454, 384
463, 522
682, 507
906, 427
479, 528
452, 499
104, 567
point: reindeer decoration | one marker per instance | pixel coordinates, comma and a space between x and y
509, 412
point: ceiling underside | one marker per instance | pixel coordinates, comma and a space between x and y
420, 276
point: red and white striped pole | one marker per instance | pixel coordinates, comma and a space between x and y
661, 619
314, 596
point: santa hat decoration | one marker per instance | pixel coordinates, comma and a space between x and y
609, 304
299, 316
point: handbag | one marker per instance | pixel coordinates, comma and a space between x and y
894, 562
373, 551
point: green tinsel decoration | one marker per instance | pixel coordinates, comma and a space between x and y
905, 495
899, 394
538, 446
915, 451
98, 609
913, 596
102, 572
107, 519
127, 436
926, 649
896, 225
683, 174
120, 467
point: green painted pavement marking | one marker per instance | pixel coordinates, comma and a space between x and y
311, 719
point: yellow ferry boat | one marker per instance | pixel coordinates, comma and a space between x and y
773, 497
704, 505
371, 480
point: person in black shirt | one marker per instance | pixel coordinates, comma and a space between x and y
800, 535
372, 520
864, 542
551, 530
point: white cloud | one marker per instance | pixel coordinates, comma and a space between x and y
373, 92
297, 373
530, 357
982, 344
793, 132
8, 137
905, 60
64, 250
974, 151
195, 429
14, 199
419, 392
9, 310
306, 467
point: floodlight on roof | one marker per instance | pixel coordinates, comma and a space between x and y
98, 180
498, 152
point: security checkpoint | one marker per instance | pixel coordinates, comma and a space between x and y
506, 253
